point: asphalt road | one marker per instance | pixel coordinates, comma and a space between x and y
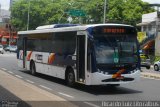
144, 90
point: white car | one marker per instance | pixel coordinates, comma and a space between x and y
1, 49
157, 66
13, 48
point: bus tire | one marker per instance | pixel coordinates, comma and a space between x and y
70, 77
33, 68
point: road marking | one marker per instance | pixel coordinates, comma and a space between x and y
91, 104
30, 81
4, 69
18, 76
10, 72
65, 94
45, 87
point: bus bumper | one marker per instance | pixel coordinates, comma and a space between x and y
98, 78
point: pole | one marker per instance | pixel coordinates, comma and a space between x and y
28, 16
9, 28
104, 19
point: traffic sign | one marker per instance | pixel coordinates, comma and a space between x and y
78, 13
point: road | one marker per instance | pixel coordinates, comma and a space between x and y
144, 90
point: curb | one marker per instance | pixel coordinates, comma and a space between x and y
150, 75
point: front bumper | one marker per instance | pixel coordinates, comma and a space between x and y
104, 79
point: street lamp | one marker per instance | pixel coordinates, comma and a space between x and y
104, 19
28, 15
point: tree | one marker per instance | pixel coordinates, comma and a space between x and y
127, 11
41, 12
133, 11
44, 12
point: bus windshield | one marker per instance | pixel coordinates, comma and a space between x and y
111, 49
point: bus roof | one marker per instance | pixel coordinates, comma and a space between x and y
72, 28
55, 26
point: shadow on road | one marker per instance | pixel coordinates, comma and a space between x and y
106, 90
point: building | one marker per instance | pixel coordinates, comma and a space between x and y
8, 34
150, 26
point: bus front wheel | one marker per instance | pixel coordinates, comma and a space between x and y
70, 77
33, 69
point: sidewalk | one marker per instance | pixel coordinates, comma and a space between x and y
32, 95
151, 74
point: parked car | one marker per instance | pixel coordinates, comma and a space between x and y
11, 48
6, 48
1, 49
145, 61
157, 65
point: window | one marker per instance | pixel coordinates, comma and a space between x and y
60, 42
64, 42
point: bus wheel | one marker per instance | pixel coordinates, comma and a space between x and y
33, 69
70, 78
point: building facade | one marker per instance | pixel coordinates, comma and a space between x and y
8, 34
150, 26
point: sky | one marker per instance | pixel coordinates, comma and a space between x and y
5, 3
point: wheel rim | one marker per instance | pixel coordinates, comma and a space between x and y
70, 77
156, 67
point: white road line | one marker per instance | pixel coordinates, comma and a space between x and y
10, 72
30, 81
18, 76
45, 87
4, 69
91, 104
65, 95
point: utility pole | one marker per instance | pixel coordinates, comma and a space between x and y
104, 18
28, 15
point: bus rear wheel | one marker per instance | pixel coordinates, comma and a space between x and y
33, 69
70, 78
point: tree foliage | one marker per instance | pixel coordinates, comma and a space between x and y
43, 12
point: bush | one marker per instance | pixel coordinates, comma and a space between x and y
157, 58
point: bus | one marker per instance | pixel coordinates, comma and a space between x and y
55, 26
98, 54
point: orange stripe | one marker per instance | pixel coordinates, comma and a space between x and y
51, 58
118, 74
29, 56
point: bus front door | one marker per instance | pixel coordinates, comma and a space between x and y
81, 58
24, 51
